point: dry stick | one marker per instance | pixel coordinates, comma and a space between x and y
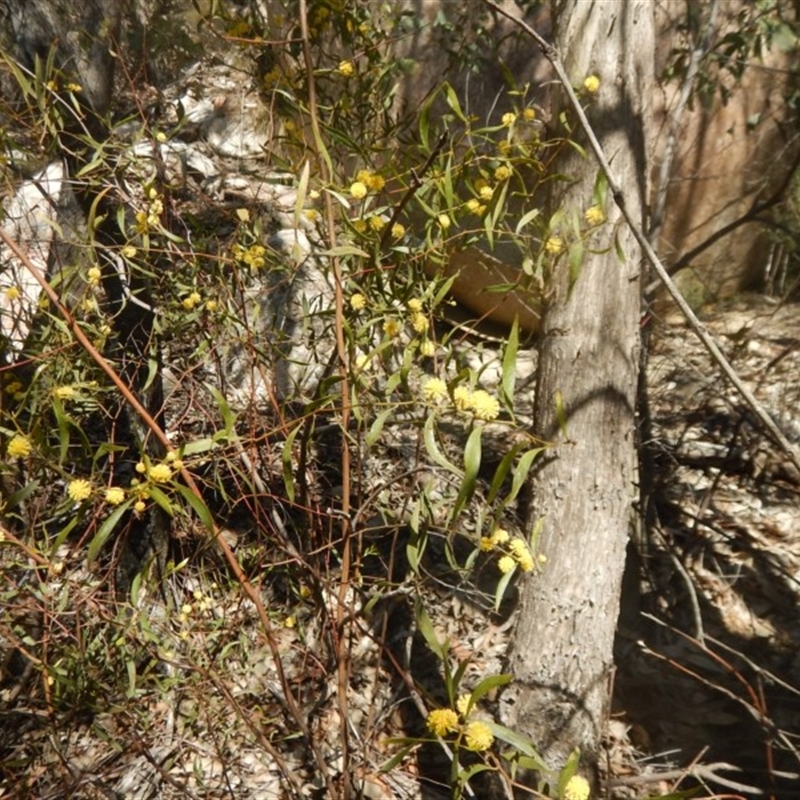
340, 640
551, 54
155, 428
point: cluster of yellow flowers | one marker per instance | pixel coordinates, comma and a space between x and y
15, 389
151, 217
479, 402
475, 735
253, 255
93, 276
13, 293
517, 551
191, 300
202, 602
371, 180
419, 322
81, 489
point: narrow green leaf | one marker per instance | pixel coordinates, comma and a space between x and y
472, 463
510, 363
452, 101
161, 499
408, 745
520, 743
526, 218
198, 447
521, 473
500, 474
130, 666
575, 263
198, 506
618, 249
302, 192
489, 684
429, 437
425, 627
228, 417
600, 191
20, 496
502, 585
105, 530
449, 194
568, 770
344, 250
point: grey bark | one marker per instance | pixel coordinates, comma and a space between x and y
561, 656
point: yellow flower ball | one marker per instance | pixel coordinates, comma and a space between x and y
13, 293
427, 349
444, 221
462, 398
346, 68
473, 206
19, 447
93, 276
478, 736
64, 392
398, 231
139, 506
358, 190
358, 302
414, 305
420, 323
486, 193
554, 245
442, 721
434, 390
391, 327
79, 490
508, 119
577, 788
500, 536
503, 173
592, 84
505, 564
115, 495
484, 406
160, 473
529, 114
594, 216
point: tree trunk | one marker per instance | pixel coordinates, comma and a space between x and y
561, 655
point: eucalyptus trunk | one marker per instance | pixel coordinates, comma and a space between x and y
562, 651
